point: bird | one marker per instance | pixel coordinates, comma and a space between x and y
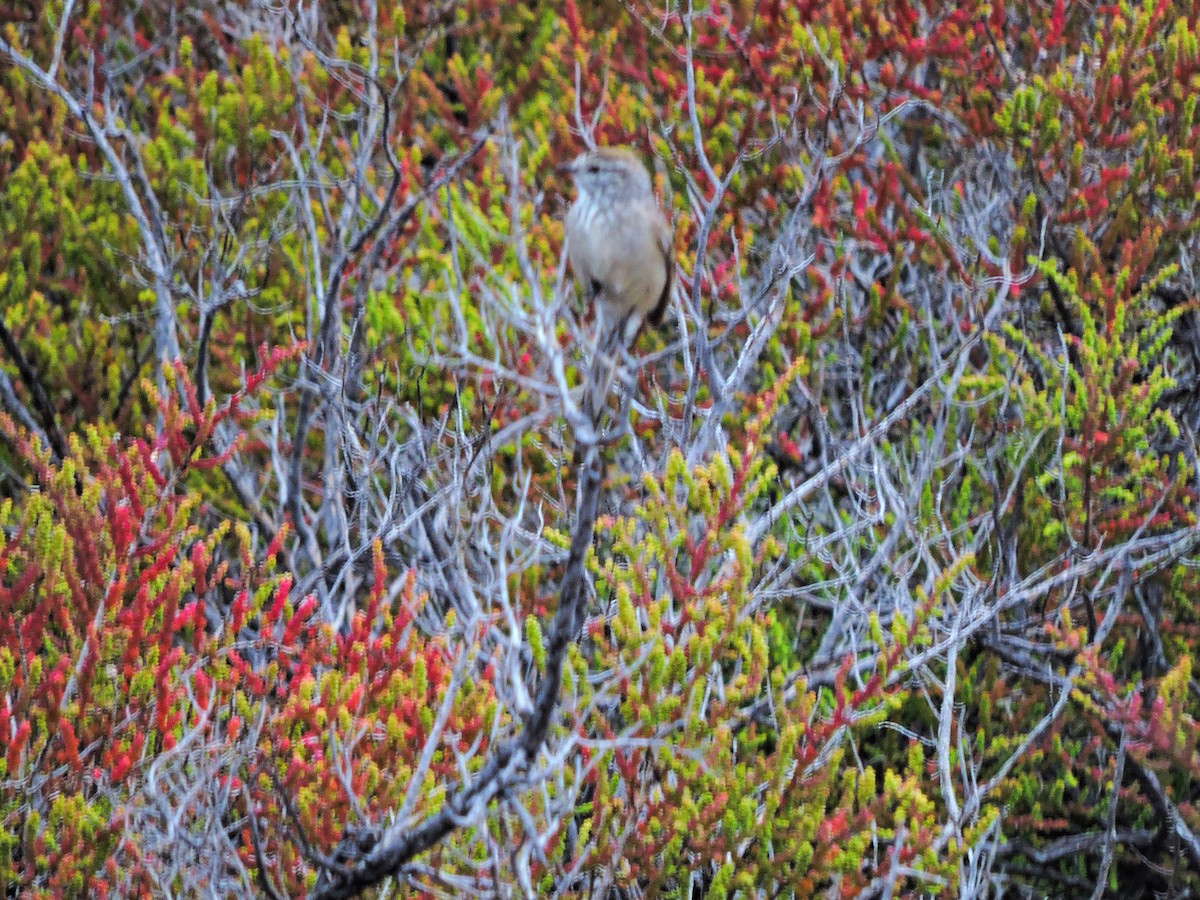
619, 244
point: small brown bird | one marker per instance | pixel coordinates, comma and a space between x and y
618, 242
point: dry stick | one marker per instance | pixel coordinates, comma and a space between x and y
801, 492
50, 431
1110, 836
1168, 810
325, 341
10, 401
506, 770
148, 219
324, 346
165, 337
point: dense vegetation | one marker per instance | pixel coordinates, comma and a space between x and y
891, 576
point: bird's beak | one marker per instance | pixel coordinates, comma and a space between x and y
567, 168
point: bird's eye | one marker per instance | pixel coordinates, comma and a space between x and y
593, 169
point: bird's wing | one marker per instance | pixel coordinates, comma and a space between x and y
666, 244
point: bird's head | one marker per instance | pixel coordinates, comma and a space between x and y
609, 171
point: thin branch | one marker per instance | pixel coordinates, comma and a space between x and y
49, 431
165, 336
506, 770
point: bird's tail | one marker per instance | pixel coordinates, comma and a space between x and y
606, 368
599, 383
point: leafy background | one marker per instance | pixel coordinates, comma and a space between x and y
892, 588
